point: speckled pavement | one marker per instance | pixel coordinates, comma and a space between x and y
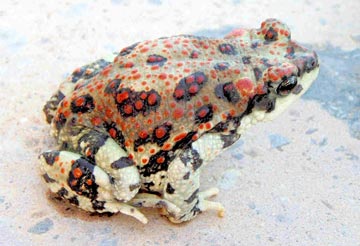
294, 181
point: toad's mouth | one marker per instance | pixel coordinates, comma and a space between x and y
282, 103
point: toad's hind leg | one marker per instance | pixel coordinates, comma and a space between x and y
182, 188
82, 183
114, 178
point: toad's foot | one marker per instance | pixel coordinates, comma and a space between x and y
209, 205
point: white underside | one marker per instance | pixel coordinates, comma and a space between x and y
282, 103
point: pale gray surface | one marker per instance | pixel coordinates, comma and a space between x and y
294, 181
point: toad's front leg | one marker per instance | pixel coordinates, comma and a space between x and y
182, 188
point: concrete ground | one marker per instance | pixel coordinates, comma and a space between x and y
294, 181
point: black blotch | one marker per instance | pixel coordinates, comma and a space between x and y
48, 179
185, 142
194, 54
127, 102
246, 59
189, 86
221, 66
83, 72
227, 91
271, 35
98, 205
153, 166
82, 104
80, 184
134, 186
166, 127
192, 197
191, 157
156, 60
112, 86
52, 105
264, 102
112, 128
169, 189
186, 176
227, 49
204, 114
62, 192
90, 143
228, 140
50, 156
127, 50
122, 163
257, 73
59, 121
74, 200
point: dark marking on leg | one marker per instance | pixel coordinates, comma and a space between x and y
192, 157
170, 189
74, 200
186, 176
62, 192
48, 179
51, 156
192, 197
122, 163
98, 205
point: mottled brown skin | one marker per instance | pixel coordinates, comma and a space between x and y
158, 97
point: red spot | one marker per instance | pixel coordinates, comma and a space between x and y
187, 70
122, 96
62, 170
167, 146
168, 45
143, 134
155, 67
152, 99
160, 159
160, 132
200, 79
179, 93
206, 98
203, 112
144, 160
112, 132
96, 121
180, 136
184, 52
79, 101
77, 173
193, 88
143, 95
109, 113
106, 71
67, 113
179, 64
136, 76
172, 104
178, 113
190, 79
152, 151
145, 49
139, 104
128, 109
208, 126
162, 76
129, 65
245, 86
140, 149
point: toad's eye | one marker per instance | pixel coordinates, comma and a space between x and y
286, 86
